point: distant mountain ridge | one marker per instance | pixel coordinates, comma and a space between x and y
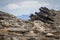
25, 17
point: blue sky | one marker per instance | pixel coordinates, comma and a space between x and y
26, 7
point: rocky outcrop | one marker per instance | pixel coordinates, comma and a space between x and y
50, 20
43, 25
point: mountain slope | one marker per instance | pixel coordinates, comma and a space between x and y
37, 28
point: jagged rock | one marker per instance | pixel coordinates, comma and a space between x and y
50, 18
43, 25
45, 15
32, 39
49, 34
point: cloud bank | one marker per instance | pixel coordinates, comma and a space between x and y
26, 4
25, 7
12, 6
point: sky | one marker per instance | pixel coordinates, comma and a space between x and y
20, 8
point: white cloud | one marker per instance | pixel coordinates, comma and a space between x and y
26, 4
31, 4
1, 9
25, 7
12, 6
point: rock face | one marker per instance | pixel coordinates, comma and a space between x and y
43, 25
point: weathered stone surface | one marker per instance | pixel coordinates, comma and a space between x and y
44, 25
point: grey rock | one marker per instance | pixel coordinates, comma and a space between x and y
43, 25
